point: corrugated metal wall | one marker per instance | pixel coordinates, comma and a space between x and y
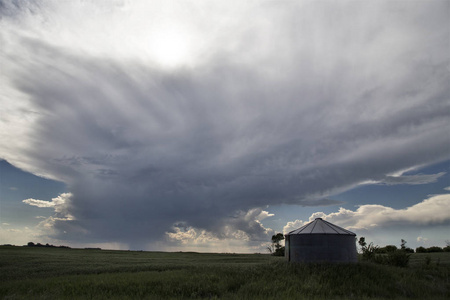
321, 248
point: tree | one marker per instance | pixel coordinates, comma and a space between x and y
447, 247
368, 251
386, 249
275, 248
403, 244
421, 250
362, 242
434, 249
391, 248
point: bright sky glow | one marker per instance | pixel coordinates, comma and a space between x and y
170, 47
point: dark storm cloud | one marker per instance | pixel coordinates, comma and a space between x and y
290, 110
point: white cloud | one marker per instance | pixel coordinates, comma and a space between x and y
61, 204
293, 225
316, 215
411, 179
247, 225
61, 218
190, 235
193, 239
39, 203
386, 223
431, 211
421, 239
243, 229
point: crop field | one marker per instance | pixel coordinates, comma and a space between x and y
55, 273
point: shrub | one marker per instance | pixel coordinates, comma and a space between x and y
368, 251
398, 258
434, 249
421, 250
381, 250
386, 249
393, 256
279, 252
393, 248
390, 248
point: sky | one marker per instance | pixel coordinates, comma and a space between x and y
211, 125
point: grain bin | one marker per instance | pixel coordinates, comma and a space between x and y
320, 241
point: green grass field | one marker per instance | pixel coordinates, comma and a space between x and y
53, 273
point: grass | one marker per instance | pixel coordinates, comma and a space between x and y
52, 273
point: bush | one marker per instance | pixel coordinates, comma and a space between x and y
434, 249
388, 255
390, 248
386, 249
421, 250
398, 258
368, 251
446, 249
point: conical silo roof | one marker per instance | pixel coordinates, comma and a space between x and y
319, 226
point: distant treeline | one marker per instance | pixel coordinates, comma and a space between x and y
393, 248
31, 244
433, 249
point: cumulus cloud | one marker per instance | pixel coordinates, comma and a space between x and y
186, 235
60, 204
375, 220
53, 227
265, 105
244, 228
293, 225
39, 203
431, 211
194, 239
421, 239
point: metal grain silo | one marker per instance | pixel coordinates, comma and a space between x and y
320, 241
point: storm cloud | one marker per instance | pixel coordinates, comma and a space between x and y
269, 104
